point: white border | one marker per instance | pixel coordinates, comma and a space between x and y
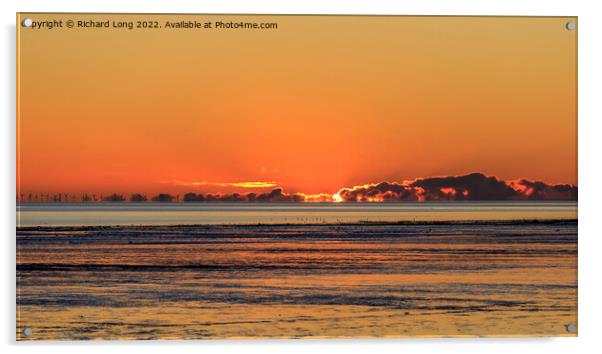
590, 176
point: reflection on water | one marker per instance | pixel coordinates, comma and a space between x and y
364, 280
30, 214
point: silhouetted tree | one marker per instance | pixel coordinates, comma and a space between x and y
232, 198
193, 197
114, 198
211, 198
163, 198
137, 198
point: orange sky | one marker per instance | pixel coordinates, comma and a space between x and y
316, 105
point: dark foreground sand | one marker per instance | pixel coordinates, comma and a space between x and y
283, 281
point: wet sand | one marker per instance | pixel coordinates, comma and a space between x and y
298, 281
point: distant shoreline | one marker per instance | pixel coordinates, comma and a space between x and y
325, 224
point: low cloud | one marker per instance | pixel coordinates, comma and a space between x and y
474, 186
541, 191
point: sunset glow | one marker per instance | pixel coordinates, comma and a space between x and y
121, 113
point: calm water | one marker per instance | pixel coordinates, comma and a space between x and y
143, 271
31, 214
249, 281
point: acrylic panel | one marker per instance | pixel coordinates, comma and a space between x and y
194, 176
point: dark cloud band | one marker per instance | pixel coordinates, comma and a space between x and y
475, 186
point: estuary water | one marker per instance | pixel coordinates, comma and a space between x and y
77, 214
304, 270
297, 281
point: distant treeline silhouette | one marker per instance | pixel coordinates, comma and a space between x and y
275, 195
